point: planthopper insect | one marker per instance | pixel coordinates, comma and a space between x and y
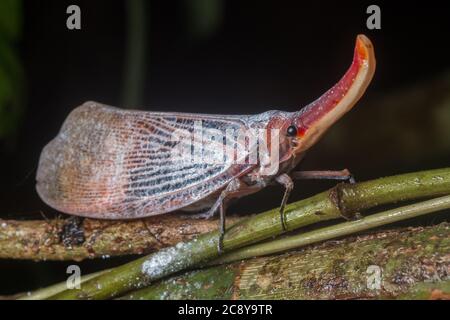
110, 163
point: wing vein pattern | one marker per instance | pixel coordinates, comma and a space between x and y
113, 163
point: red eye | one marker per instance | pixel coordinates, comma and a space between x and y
291, 131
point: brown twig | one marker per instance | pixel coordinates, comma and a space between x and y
69, 239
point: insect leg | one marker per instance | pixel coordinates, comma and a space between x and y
202, 215
221, 227
341, 175
234, 189
231, 188
288, 184
210, 213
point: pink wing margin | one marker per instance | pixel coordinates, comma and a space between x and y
115, 164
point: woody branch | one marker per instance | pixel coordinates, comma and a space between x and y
343, 200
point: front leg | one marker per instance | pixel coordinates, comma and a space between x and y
341, 175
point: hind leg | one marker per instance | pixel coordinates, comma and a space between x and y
288, 184
234, 189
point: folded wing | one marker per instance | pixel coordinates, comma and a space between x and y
118, 164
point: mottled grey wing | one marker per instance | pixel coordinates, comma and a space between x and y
118, 164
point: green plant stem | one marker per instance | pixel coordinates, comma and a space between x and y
335, 231
47, 292
408, 263
339, 201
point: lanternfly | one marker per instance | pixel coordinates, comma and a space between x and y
110, 163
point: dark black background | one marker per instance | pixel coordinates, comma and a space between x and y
264, 55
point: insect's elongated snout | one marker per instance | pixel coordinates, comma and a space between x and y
314, 120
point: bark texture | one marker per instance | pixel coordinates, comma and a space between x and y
78, 239
412, 263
